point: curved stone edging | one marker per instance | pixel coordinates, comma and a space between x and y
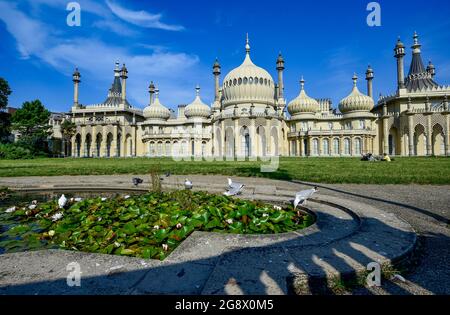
345, 238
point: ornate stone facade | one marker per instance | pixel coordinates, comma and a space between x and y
249, 118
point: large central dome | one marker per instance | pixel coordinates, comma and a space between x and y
248, 83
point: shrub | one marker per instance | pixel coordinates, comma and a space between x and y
14, 151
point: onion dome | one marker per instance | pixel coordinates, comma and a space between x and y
156, 110
197, 108
303, 103
356, 101
248, 83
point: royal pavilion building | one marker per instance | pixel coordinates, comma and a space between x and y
250, 118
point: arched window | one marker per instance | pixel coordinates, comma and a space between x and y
167, 149
326, 147
203, 148
315, 147
347, 146
336, 146
358, 146
151, 151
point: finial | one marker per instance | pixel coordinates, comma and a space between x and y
247, 45
197, 90
355, 79
117, 65
302, 83
157, 93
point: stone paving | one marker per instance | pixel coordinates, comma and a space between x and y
344, 239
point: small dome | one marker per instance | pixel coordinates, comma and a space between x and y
303, 103
356, 101
399, 44
156, 110
197, 108
248, 83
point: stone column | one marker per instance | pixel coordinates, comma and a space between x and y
447, 134
114, 151
74, 146
301, 147
83, 149
104, 146
253, 141
134, 139
268, 138
223, 135
237, 139
429, 136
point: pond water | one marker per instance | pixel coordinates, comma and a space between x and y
146, 225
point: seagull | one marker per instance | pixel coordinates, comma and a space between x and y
62, 201
137, 181
302, 196
188, 184
57, 216
233, 188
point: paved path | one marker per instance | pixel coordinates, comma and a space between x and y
215, 264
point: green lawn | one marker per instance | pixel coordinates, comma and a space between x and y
322, 170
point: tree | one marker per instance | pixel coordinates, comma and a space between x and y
68, 130
5, 118
31, 121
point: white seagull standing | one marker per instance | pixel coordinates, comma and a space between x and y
62, 201
302, 196
233, 188
188, 184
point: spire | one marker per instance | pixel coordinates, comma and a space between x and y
197, 90
302, 84
247, 45
355, 80
117, 69
417, 45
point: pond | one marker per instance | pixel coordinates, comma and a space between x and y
146, 224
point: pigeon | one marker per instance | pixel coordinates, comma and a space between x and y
137, 181
165, 175
62, 201
188, 184
233, 188
302, 196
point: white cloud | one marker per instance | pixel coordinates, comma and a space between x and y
175, 73
141, 18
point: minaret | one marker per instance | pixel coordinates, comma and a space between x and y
216, 73
431, 70
124, 77
76, 80
400, 54
369, 78
151, 90
280, 68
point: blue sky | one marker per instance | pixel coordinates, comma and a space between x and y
174, 43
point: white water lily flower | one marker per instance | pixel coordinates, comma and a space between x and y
179, 226
57, 216
32, 207
117, 244
51, 233
126, 197
104, 199
265, 215
277, 207
229, 221
99, 219
11, 210
165, 247
78, 199
156, 227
